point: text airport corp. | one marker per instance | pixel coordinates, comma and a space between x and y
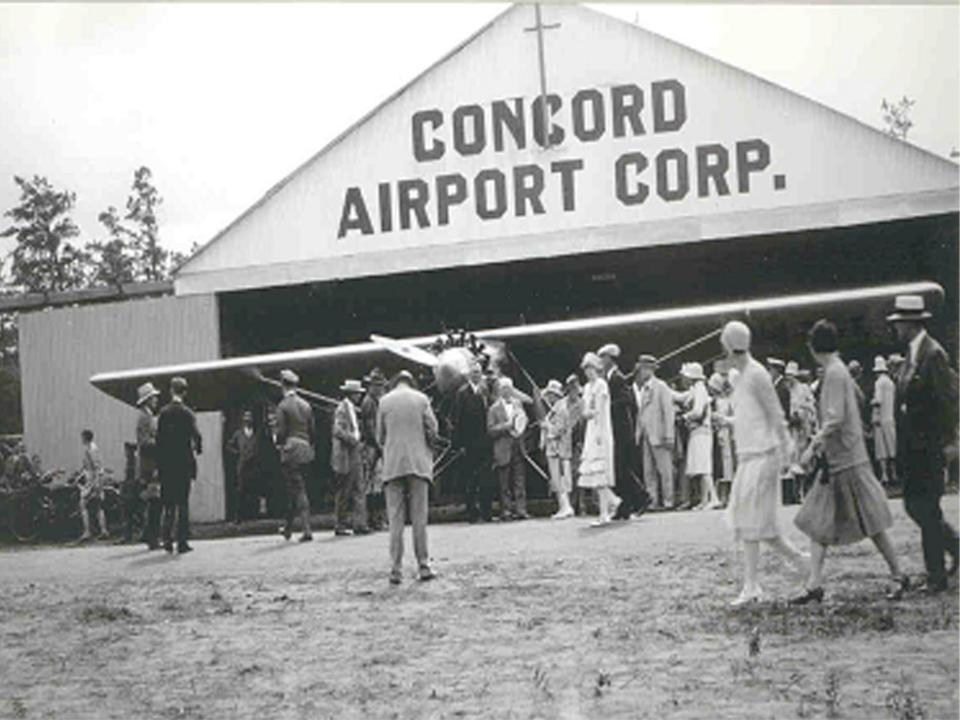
620, 111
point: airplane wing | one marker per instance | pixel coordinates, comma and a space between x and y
217, 384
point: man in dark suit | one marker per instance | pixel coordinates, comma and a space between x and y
470, 438
295, 438
926, 416
177, 441
623, 413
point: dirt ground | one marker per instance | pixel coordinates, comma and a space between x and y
541, 619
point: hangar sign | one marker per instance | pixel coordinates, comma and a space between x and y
669, 174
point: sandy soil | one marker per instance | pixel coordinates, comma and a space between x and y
539, 619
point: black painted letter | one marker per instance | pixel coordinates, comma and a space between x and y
420, 151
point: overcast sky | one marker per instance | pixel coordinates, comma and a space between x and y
222, 101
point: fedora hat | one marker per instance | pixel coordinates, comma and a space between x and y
908, 308
375, 377
609, 350
352, 386
145, 392
289, 376
879, 364
553, 388
792, 369
693, 371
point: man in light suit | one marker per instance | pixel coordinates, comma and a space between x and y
926, 416
295, 439
623, 412
148, 399
346, 460
656, 422
503, 420
407, 432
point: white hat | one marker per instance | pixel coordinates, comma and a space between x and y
352, 386
895, 359
553, 388
289, 376
908, 307
611, 349
592, 360
693, 371
792, 369
775, 362
879, 364
736, 336
145, 392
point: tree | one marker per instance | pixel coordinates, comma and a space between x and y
44, 260
178, 258
150, 258
896, 116
113, 260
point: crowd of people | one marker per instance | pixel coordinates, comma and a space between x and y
611, 443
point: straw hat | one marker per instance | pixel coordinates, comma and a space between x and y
908, 308
775, 362
352, 386
592, 360
648, 361
879, 364
693, 371
609, 350
895, 360
553, 388
145, 392
792, 369
289, 376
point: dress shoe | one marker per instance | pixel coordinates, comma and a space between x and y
287, 533
426, 574
563, 514
395, 579
183, 548
306, 537
168, 546
952, 564
521, 516
341, 532
746, 597
362, 531
153, 545
933, 587
808, 596
902, 586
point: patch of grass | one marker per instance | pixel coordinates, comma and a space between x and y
105, 613
831, 692
903, 702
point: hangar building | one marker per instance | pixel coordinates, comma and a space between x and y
661, 177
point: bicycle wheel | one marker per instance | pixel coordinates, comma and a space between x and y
25, 512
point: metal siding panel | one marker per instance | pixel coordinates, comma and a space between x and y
62, 348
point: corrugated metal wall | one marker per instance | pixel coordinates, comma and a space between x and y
61, 348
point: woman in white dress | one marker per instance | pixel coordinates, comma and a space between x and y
700, 441
596, 460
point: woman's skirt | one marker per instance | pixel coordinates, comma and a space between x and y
755, 497
851, 507
885, 441
700, 453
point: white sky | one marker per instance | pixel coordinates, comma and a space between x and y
222, 101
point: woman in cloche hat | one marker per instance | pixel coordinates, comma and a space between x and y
596, 461
700, 440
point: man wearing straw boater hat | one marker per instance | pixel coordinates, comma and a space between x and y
623, 411
926, 420
884, 422
295, 439
147, 400
656, 425
347, 462
506, 421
